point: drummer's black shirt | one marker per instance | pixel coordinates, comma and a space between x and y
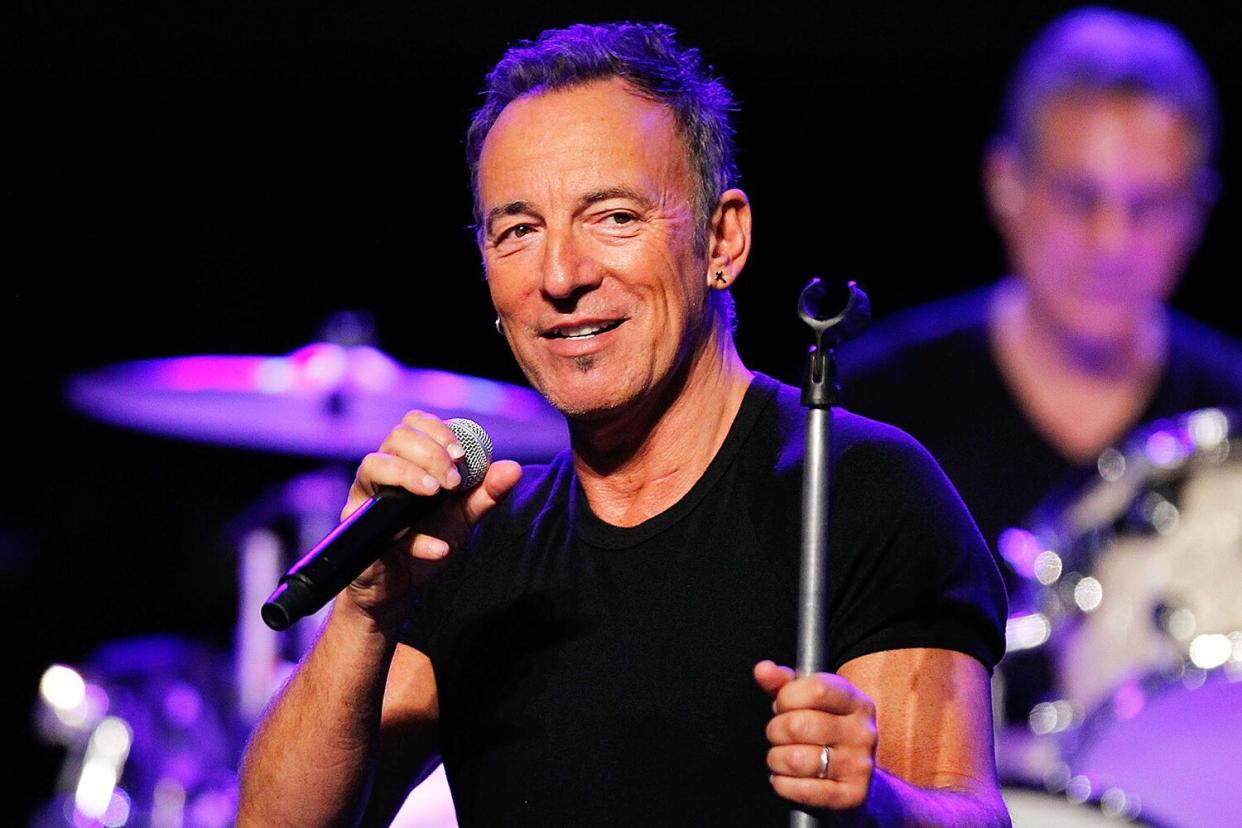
596, 675
930, 372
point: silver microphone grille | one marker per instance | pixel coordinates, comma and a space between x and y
478, 448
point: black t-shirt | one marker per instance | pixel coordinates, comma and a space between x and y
596, 675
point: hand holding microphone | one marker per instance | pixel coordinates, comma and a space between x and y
421, 492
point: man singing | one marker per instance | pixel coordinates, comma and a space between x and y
597, 641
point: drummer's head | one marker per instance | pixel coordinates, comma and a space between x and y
1101, 174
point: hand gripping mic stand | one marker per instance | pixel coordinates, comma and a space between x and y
835, 315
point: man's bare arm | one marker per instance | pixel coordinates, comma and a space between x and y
358, 697
313, 758
910, 739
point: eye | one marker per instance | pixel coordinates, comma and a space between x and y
1077, 197
517, 231
618, 222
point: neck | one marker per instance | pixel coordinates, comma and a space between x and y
640, 460
1131, 359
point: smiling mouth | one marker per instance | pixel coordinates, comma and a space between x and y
584, 331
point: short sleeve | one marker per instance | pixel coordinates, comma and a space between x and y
914, 570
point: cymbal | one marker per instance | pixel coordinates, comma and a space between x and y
323, 400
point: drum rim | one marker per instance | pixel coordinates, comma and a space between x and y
1075, 744
1092, 802
1049, 521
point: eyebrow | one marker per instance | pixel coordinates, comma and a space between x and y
514, 208
511, 208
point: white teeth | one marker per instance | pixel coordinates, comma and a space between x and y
583, 331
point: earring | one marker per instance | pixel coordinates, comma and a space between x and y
720, 279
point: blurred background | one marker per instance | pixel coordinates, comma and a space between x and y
226, 178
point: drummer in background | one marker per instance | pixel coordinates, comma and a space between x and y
1100, 181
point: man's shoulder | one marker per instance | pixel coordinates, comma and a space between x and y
930, 332
1204, 369
853, 435
1195, 343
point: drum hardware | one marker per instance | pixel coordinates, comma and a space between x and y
324, 400
1134, 598
149, 734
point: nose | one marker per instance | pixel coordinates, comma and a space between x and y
568, 269
1112, 226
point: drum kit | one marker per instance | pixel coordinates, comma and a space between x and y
153, 727
1134, 606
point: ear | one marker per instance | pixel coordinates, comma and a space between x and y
728, 242
1004, 183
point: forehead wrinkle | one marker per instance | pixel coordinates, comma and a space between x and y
641, 136
606, 193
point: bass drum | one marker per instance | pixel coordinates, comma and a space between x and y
1033, 807
1171, 745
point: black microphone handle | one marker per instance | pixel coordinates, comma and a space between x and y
343, 555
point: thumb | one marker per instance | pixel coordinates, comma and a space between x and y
500, 479
771, 677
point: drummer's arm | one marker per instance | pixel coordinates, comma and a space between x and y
355, 722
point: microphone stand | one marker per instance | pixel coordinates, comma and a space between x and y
816, 307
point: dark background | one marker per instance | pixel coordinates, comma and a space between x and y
217, 177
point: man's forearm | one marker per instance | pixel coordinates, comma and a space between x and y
312, 756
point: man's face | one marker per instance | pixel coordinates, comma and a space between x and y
1100, 219
588, 241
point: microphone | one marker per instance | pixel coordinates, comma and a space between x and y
361, 538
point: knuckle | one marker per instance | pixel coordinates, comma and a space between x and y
871, 738
855, 765
394, 439
853, 794
820, 692
803, 726
414, 417
370, 467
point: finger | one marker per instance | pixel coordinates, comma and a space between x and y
822, 691
448, 528
802, 761
822, 793
428, 547
378, 469
433, 427
438, 430
809, 727
772, 677
500, 479
426, 450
